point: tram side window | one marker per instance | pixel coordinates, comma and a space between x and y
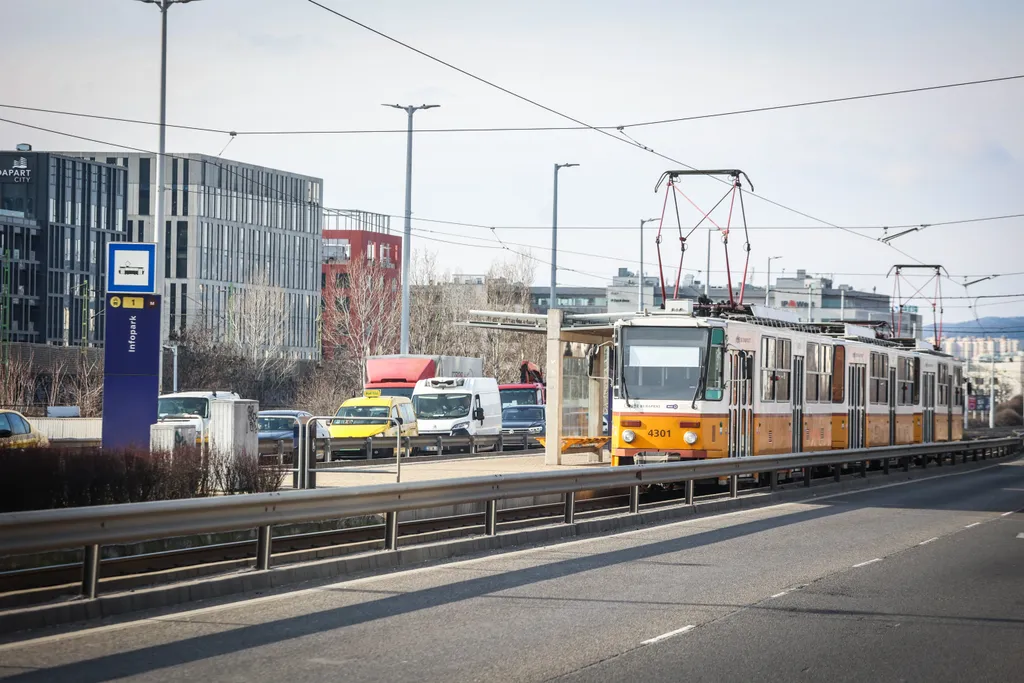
839, 375
813, 368
819, 373
958, 387
879, 378
917, 381
905, 391
943, 381
776, 366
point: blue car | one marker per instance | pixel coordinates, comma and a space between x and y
523, 420
281, 425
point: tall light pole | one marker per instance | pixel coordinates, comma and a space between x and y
158, 280
640, 283
407, 233
768, 282
553, 302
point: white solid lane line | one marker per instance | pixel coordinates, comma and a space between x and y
971, 525
1007, 514
779, 595
1020, 535
864, 564
933, 538
664, 636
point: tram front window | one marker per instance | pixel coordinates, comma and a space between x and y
662, 363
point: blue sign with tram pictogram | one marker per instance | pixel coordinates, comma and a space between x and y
131, 366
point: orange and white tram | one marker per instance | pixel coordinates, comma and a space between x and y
689, 387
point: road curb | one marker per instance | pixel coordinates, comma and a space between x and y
240, 583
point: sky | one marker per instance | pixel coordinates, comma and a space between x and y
252, 65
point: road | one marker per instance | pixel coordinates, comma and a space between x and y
922, 580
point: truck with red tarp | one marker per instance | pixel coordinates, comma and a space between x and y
529, 391
396, 375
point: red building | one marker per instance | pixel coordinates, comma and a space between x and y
360, 277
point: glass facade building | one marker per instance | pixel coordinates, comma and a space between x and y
229, 229
57, 214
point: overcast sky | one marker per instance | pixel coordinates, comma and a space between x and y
287, 64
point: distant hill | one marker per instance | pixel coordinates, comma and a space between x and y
1012, 328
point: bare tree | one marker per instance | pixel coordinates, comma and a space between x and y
16, 381
87, 386
55, 390
362, 314
508, 289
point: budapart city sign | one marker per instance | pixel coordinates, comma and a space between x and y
15, 168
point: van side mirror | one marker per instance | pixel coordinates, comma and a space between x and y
478, 414
399, 420
6, 433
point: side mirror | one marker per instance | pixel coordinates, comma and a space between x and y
399, 420
478, 414
6, 433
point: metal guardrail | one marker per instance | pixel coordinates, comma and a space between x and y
91, 527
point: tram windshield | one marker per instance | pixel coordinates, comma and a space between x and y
662, 363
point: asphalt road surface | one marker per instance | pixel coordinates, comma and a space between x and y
918, 581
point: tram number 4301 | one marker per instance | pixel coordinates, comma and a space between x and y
659, 433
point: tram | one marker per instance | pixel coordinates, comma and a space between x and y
725, 383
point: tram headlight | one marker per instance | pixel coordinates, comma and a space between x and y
629, 436
690, 437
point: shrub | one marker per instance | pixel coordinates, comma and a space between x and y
44, 478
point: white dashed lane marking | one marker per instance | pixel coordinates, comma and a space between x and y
864, 564
665, 636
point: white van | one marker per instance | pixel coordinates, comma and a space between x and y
192, 408
457, 406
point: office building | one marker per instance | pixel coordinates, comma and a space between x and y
57, 214
231, 230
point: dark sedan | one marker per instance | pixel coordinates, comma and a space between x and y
523, 420
281, 425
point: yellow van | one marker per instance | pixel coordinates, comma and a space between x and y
360, 424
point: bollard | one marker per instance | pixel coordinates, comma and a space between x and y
634, 500
263, 539
90, 571
734, 486
689, 491
570, 507
491, 518
391, 531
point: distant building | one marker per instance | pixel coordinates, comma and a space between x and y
228, 224
570, 299
974, 348
355, 243
57, 215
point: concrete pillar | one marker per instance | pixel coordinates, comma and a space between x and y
553, 409
595, 395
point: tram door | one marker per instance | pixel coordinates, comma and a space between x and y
857, 414
798, 403
892, 406
949, 406
928, 408
741, 404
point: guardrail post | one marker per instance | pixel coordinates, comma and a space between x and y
391, 531
837, 472
90, 571
807, 476
280, 452
984, 453
939, 458
263, 539
863, 469
689, 491
974, 455
634, 500
924, 462
369, 448
906, 463
491, 518
773, 480
734, 486
310, 457
570, 507
501, 443
472, 444
885, 465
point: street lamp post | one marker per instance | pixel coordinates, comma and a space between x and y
158, 280
553, 302
768, 282
640, 282
407, 233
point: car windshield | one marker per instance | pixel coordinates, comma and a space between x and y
518, 397
276, 424
183, 405
662, 363
522, 414
363, 415
441, 406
